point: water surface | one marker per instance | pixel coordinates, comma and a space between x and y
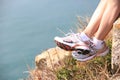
27, 27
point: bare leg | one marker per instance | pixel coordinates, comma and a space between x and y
95, 20
110, 14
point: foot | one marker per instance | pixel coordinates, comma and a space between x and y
82, 56
72, 42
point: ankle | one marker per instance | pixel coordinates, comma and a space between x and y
84, 37
98, 43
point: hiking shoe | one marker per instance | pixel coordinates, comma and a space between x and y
83, 56
72, 42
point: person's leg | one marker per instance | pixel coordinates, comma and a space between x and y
69, 42
95, 20
110, 14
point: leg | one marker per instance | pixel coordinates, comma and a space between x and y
95, 20
108, 18
102, 19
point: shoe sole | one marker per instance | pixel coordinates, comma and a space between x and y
93, 56
64, 46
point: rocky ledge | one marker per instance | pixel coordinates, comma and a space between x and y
51, 58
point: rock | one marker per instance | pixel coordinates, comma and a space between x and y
116, 44
51, 58
47, 63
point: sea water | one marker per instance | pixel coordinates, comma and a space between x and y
28, 27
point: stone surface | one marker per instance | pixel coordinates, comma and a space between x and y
47, 62
51, 58
116, 44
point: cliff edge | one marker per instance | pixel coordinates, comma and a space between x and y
57, 64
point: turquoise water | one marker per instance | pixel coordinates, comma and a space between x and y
27, 27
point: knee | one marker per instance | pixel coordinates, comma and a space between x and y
114, 4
